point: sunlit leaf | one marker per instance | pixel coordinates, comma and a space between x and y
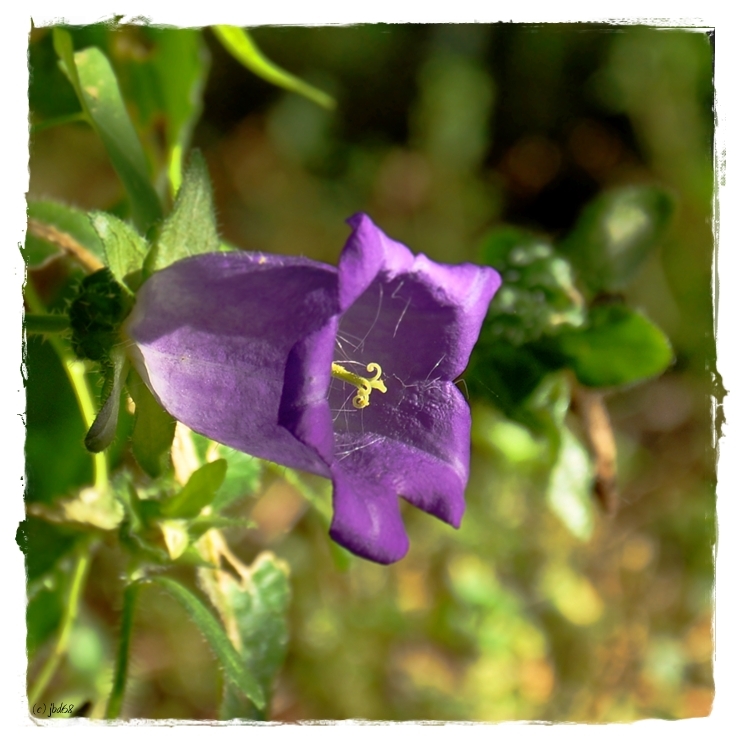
569, 488
619, 346
240, 44
97, 89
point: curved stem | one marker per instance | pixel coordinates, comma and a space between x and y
79, 576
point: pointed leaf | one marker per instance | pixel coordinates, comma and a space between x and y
124, 248
175, 533
240, 45
97, 89
191, 227
198, 492
234, 666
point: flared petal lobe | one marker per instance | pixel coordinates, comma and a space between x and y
419, 321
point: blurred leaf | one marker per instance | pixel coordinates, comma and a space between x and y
616, 232
191, 227
97, 90
162, 72
569, 489
66, 219
255, 613
154, 429
198, 492
618, 346
124, 248
538, 295
240, 45
242, 477
43, 546
572, 594
44, 613
233, 665
56, 459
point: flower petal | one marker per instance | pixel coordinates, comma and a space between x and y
418, 319
213, 334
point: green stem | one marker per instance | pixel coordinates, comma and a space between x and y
70, 614
46, 323
115, 701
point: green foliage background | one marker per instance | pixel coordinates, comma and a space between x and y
465, 142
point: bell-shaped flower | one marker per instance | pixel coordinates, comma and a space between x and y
344, 372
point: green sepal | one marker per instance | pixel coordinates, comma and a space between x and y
103, 430
125, 249
191, 227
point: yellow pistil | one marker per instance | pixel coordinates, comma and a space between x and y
364, 386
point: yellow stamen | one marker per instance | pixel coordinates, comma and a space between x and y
364, 386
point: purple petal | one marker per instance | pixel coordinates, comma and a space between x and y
213, 335
418, 319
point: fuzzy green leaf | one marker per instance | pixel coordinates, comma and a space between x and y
124, 248
237, 673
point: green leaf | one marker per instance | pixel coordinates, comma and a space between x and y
66, 219
162, 71
242, 477
191, 227
125, 250
569, 488
616, 232
619, 346
198, 492
241, 46
255, 610
97, 89
154, 429
538, 295
234, 666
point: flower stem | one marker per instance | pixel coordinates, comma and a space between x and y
46, 323
115, 701
79, 576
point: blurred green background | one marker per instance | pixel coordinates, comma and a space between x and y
440, 133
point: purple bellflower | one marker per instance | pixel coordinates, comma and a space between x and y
344, 372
